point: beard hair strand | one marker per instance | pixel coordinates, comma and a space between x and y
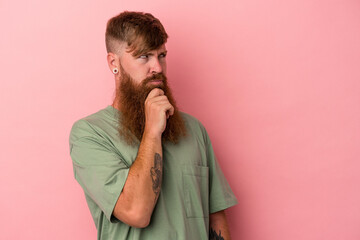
131, 99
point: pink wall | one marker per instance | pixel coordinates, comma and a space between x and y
276, 83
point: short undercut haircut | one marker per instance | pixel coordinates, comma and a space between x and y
141, 31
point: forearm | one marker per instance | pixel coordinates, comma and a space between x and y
142, 187
219, 229
145, 175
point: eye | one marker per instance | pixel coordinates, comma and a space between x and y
144, 56
162, 55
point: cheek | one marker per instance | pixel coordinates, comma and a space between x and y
163, 65
138, 73
138, 77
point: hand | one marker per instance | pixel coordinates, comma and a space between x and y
157, 110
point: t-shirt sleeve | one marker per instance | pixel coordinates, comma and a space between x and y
98, 167
220, 193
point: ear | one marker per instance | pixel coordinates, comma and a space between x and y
113, 61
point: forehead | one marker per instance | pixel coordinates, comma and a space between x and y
162, 48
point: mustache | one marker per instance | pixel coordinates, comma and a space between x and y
155, 77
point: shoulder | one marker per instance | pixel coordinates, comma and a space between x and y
191, 120
194, 125
91, 124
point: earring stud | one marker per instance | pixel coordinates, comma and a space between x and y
115, 70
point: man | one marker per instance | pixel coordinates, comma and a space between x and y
148, 171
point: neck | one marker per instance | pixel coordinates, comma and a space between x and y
116, 105
116, 101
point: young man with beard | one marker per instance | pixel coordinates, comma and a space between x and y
148, 171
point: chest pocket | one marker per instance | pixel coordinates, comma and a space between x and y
196, 190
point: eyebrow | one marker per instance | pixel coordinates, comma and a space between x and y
151, 54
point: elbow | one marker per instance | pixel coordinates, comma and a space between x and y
136, 218
139, 220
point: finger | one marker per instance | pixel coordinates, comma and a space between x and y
159, 99
166, 107
172, 110
169, 109
155, 92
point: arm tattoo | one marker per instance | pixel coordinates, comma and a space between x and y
156, 174
214, 235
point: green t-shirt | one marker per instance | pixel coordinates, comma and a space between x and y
193, 184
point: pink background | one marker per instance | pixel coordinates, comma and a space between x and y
276, 84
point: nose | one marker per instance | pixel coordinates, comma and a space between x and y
156, 66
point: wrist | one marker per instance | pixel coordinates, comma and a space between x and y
153, 136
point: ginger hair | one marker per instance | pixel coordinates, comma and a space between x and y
142, 32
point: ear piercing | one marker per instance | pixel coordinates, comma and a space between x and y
115, 70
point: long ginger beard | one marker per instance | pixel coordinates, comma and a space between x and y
131, 100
